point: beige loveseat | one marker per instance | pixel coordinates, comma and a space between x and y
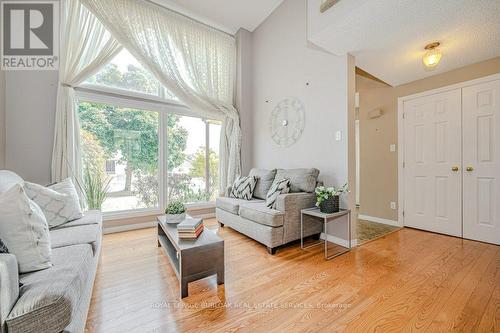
272, 227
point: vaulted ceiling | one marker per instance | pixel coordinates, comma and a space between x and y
387, 37
226, 15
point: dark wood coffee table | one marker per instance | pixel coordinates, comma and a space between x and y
192, 259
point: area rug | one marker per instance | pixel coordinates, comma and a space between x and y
367, 230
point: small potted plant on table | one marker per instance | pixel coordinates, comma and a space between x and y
175, 212
327, 198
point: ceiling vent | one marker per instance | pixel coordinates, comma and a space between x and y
327, 4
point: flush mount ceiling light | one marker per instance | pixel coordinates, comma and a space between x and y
432, 55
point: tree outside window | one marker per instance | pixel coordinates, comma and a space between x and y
130, 139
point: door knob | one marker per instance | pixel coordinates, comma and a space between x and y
454, 169
469, 169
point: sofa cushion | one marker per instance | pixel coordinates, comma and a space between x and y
301, 180
83, 234
89, 217
49, 297
265, 179
8, 179
232, 205
258, 212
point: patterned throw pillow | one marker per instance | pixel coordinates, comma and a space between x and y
3, 247
57, 207
243, 187
279, 187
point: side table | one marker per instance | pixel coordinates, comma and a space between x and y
315, 212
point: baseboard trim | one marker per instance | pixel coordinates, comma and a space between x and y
128, 227
340, 241
379, 220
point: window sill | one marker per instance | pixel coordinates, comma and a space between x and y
200, 205
119, 215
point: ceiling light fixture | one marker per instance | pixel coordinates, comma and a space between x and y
432, 55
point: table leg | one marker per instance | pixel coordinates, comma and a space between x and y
184, 288
301, 231
349, 229
326, 238
220, 272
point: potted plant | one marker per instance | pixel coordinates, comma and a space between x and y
327, 199
95, 187
175, 212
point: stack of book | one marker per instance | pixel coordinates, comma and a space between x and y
190, 228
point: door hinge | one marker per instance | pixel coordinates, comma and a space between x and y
403, 115
403, 213
403, 164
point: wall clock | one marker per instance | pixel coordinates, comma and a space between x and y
287, 122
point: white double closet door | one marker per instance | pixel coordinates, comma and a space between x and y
451, 169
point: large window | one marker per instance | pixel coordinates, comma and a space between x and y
193, 162
122, 144
151, 152
124, 72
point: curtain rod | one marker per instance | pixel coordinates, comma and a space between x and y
188, 17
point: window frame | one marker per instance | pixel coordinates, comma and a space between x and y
92, 93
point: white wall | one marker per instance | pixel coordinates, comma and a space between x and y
284, 63
2, 119
30, 109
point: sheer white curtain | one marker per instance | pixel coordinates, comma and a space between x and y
85, 47
197, 63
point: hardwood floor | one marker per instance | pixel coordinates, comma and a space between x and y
409, 280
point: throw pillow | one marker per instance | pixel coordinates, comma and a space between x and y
58, 208
3, 247
265, 179
66, 187
279, 187
24, 230
301, 180
243, 187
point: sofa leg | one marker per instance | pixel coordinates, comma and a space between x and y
271, 250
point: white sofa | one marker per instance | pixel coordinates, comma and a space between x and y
56, 299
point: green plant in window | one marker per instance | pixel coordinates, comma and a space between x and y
95, 187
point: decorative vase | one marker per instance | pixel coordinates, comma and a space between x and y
175, 218
330, 205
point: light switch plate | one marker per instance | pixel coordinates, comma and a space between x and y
338, 136
392, 148
393, 205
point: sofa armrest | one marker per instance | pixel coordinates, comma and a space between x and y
9, 285
291, 204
